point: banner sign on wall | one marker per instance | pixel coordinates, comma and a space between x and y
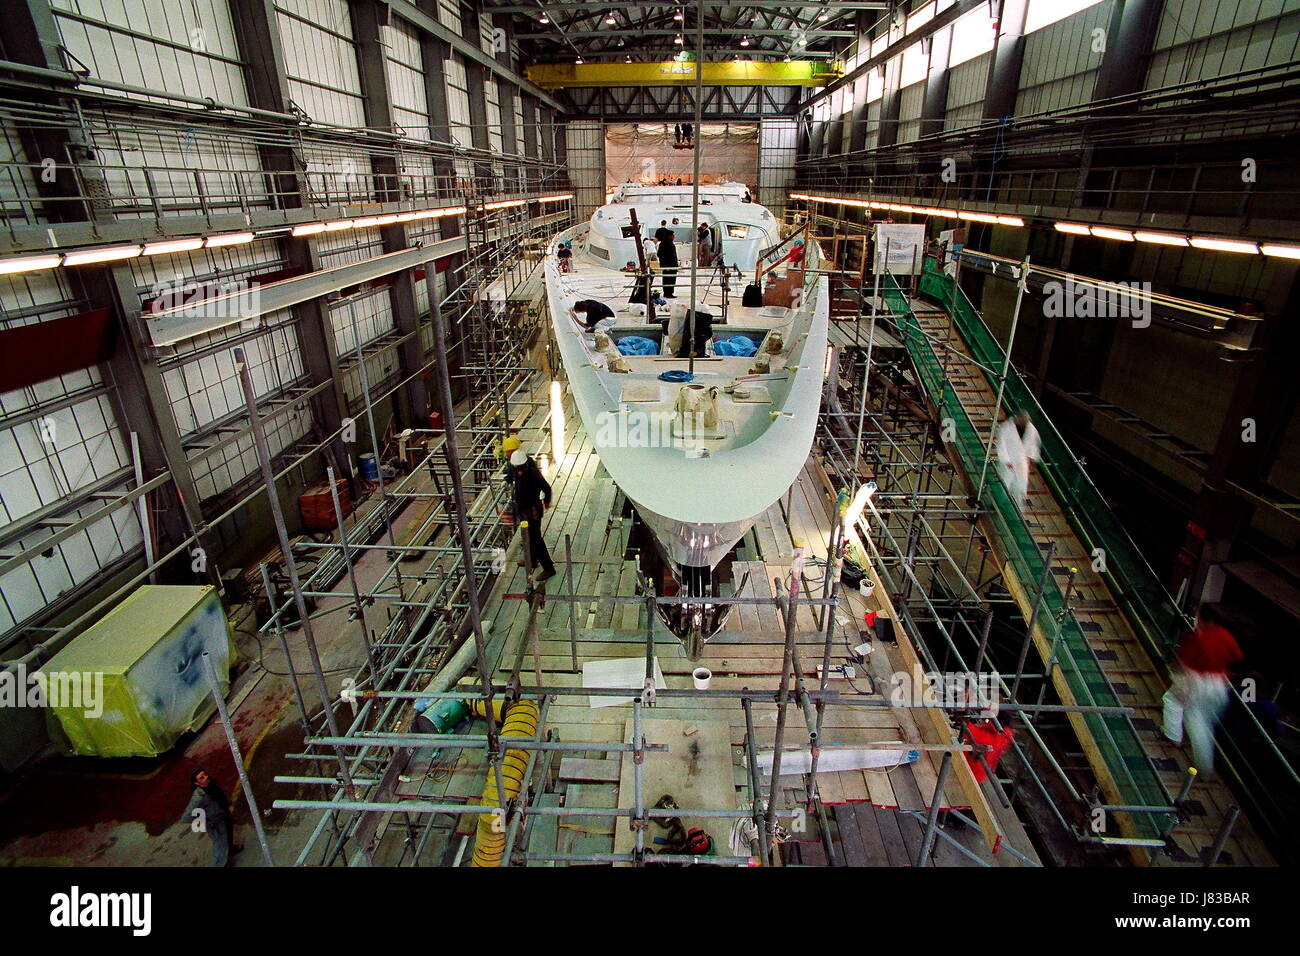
903, 243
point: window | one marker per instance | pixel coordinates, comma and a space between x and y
737, 232
921, 17
916, 60
1043, 13
600, 252
973, 35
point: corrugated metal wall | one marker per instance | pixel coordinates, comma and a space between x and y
585, 142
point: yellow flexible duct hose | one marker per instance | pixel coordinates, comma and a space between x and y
520, 721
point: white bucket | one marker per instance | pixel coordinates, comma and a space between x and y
702, 677
867, 587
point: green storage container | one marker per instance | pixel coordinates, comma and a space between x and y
146, 658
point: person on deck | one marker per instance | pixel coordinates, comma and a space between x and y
532, 496
590, 313
663, 233
565, 255
667, 253
704, 245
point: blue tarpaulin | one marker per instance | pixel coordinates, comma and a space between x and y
736, 345
637, 345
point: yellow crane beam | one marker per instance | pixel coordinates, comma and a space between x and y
551, 76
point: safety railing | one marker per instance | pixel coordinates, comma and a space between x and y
1116, 738
1132, 581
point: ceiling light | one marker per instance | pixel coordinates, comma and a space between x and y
28, 264
787, 58
628, 58
543, 19
309, 229
1284, 252
338, 224
803, 41
1073, 228
610, 20
172, 245
229, 239
977, 216
677, 16
1103, 232
1010, 221
823, 16
744, 41
1161, 238
578, 61
678, 38
1224, 245
111, 254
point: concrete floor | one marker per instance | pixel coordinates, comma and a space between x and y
79, 811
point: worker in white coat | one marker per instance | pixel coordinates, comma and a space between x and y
1017, 445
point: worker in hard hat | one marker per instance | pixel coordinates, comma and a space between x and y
532, 498
505, 448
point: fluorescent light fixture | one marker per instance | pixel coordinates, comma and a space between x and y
28, 264
557, 422
338, 224
385, 220
172, 245
450, 211
559, 197
977, 216
505, 204
946, 213
1283, 252
1224, 245
309, 229
1010, 221
111, 254
1073, 228
1103, 232
229, 239
1161, 238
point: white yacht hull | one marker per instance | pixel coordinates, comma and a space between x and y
697, 505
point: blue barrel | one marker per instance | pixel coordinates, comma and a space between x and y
369, 467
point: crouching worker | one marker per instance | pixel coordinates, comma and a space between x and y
593, 314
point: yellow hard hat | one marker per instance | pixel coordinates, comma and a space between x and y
510, 444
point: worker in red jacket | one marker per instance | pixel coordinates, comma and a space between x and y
1206, 655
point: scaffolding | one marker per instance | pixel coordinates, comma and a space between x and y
940, 525
922, 544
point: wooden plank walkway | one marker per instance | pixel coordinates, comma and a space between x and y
1124, 659
746, 653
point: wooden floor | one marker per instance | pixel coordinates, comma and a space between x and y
747, 653
1122, 655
